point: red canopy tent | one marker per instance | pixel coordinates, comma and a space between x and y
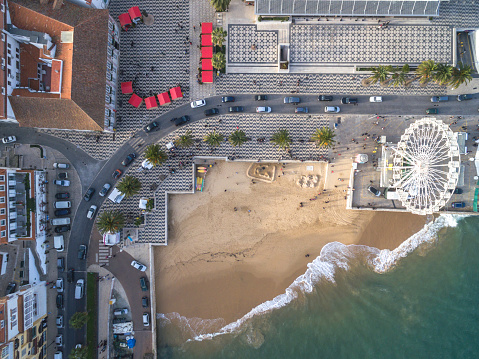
150, 103
206, 52
164, 98
175, 93
125, 21
127, 87
207, 76
206, 27
206, 65
206, 40
135, 13
135, 100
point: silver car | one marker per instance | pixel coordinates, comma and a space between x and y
263, 109
334, 109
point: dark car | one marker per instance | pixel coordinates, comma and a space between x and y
432, 111
325, 98
116, 174
10, 288
211, 111
182, 120
458, 205
260, 98
62, 175
348, 100
82, 251
464, 97
61, 264
374, 191
70, 275
143, 284
458, 191
60, 301
62, 212
88, 194
439, 98
236, 109
144, 302
228, 99
129, 159
301, 110
61, 229
292, 100
62, 195
152, 127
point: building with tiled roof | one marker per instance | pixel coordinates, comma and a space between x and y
47, 82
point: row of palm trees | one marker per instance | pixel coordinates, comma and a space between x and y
114, 221
442, 74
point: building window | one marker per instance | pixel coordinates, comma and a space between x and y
2, 222
21, 340
2, 210
2, 187
109, 66
18, 65
2, 199
109, 76
9, 45
2, 178
107, 99
3, 233
9, 61
9, 83
107, 112
3, 7
3, 36
108, 89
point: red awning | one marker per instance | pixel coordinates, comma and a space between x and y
206, 65
207, 52
207, 76
150, 103
124, 19
134, 12
206, 27
163, 98
135, 100
175, 93
206, 40
127, 87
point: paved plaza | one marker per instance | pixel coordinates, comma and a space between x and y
356, 44
248, 45
458, 13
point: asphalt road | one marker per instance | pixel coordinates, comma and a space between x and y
94, 173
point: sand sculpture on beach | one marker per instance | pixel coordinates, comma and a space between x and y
265, 172
308, 181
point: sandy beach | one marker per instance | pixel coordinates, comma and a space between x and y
239, 243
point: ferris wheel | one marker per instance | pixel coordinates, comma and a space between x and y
426, 166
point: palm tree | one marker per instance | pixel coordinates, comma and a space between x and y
78, 320
443, 74
219, 61
281, 139
425, 71
460, 75
185, 140
155, 155
218, 36
237, 138
324, 137
220, 5
213, 139
79, 353
380, 74
110, 222
129, 186
399, 76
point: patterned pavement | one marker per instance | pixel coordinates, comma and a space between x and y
458, 13
242, 38
357, 44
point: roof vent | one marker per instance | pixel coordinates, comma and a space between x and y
67, 37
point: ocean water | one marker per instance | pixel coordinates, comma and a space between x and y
418, 301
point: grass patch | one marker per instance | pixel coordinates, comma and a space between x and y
92, 309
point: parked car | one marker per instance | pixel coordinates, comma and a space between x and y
59, 321
62, 175
120, 311
152, 127
61, 229
374, 191
144, 302
106, 187
458, 191
211, 111
334, 109
62, 195
61, 165
325, 98
439, 98
9, 139
198, 103
59, 285
432, 111
146, 319
301, 110
89, 194
458, 204
60, 301
10, 288
62, 204
464, 97
260, 98
116, 174
82, 251
91, 211
70, 275
376, 99
263, 109
143, 284
62, 212
292, 100
182, 120
228, 99
129, 159
236, 109
59, 340
61, 183
138, 265
79, 288
348, 100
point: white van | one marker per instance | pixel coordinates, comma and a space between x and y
60, 221
79, 289
62, 204
58, 243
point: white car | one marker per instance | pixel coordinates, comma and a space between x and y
334, 109
9, 139
120, 311
59, 285
263, 109
198, 103
79, 288
146, 319
139, 266
64, 183
376, 99
91, 212
61, 165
